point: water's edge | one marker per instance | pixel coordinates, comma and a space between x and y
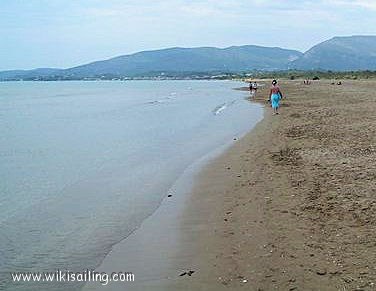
128, 253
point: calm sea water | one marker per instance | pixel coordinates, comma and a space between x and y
82, 164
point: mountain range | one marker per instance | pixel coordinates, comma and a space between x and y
337, 54
352, 53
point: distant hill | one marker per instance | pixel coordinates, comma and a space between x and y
204, 59
41, 72
351, 53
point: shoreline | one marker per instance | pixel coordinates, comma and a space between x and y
161, 233
290, 206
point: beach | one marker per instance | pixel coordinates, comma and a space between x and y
297, 195
290, 206
188, 145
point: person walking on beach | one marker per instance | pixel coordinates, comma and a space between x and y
275, 96
250, 86
252, 89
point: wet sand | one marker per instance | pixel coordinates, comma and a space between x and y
291, 206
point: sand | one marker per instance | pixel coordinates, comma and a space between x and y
298, 195
290, 206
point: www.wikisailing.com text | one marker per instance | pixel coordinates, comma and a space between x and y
68, 276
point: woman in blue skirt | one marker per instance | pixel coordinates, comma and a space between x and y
274, 96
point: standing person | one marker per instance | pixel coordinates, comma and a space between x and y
252, 89
250, 86
255, 86
274, 96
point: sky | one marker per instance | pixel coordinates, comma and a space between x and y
66, 33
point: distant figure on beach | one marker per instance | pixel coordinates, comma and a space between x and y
255, 85
275, 96
307, 82
253, 88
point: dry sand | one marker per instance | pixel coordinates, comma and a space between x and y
291, 206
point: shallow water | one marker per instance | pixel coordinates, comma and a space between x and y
82, 164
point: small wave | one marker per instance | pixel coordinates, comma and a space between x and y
160, 101
217, 110
163, 100
154, 102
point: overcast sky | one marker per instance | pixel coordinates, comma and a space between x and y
65, 33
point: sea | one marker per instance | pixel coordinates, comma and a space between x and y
84, 163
